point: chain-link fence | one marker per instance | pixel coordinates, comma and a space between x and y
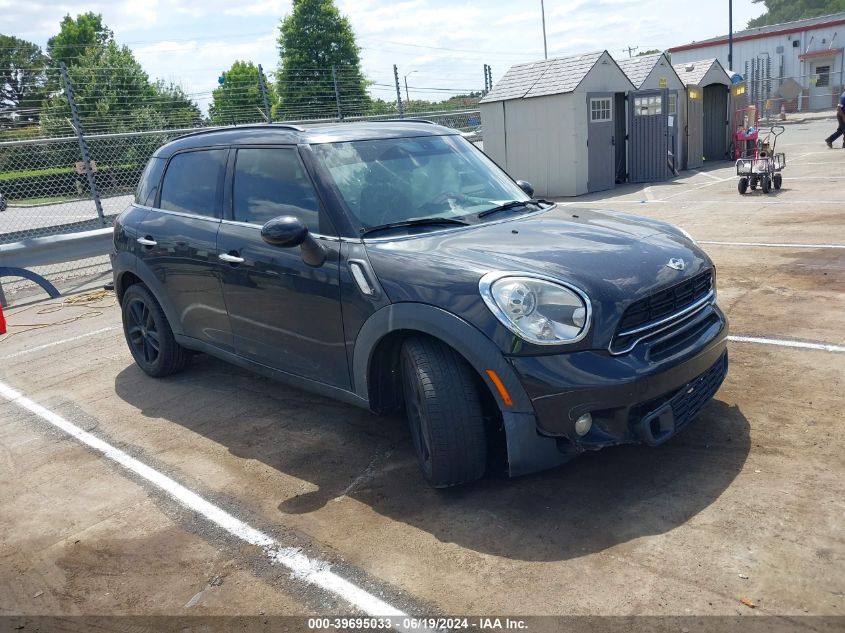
47, 189
776, 95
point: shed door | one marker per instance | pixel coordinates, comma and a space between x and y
649, 135
601, 149
715, 122
695, 128
673, 124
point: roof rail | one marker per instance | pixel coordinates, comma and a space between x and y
408, 120
205, 130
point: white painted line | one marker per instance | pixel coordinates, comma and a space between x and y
814, 178
781, 343
308, 570
704, 173
748, 199
772, 245
61, 342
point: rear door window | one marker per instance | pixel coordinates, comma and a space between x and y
193, 182
270, 182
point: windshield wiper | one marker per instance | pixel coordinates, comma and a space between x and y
512, 205
417, 222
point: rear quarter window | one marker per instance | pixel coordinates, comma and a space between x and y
150, 180
193, 182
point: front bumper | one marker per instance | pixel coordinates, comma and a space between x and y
646, 395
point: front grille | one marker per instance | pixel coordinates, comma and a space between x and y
690, 400
649, 315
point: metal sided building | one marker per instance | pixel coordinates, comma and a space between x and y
559, 123
797, 65
655, 117
707, 111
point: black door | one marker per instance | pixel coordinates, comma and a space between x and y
715, 122
284, 313
178, 244
649, 135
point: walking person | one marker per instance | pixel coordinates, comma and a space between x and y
840, 118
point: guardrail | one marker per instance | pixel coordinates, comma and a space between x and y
17, 258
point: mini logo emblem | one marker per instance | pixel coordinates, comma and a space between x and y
676, 264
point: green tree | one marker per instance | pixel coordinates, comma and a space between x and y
653, 51
313, 39
239, 99
114, 93
778, 11
22, 79
76, 36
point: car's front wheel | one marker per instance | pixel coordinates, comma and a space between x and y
444, 412
149, 335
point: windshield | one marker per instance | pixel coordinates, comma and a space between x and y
396, 180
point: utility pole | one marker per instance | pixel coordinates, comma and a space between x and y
407, 97
490, 76
486, 84
730, 35
399, 105
543, 14
630, 50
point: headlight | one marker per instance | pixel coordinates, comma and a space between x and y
538, 309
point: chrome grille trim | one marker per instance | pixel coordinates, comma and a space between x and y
667, 323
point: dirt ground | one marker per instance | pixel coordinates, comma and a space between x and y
745, 507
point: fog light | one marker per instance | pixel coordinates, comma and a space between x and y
584, 424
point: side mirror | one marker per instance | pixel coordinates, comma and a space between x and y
526, 186
287, 231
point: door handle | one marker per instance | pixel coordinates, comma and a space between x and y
146, 241
231, 258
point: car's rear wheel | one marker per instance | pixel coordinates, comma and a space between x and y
149, 335
444, 412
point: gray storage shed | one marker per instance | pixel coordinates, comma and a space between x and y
655, 118
559, 123
707, 115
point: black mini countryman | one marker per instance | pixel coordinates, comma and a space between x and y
393, 266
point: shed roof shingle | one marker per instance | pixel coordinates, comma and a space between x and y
639, 68
691, 73
547, 77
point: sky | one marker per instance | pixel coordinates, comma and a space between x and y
439, 44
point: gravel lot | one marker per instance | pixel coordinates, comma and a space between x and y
745, 507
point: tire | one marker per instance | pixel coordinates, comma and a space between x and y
765, 184
444, 412
742, 186
778, 181
149, 336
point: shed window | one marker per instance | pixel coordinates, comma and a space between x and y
822, 76
600, 110
673, 104
647, 106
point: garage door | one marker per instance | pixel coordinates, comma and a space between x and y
715, 122
600, 141
649, 135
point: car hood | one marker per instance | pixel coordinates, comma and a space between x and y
614, 258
